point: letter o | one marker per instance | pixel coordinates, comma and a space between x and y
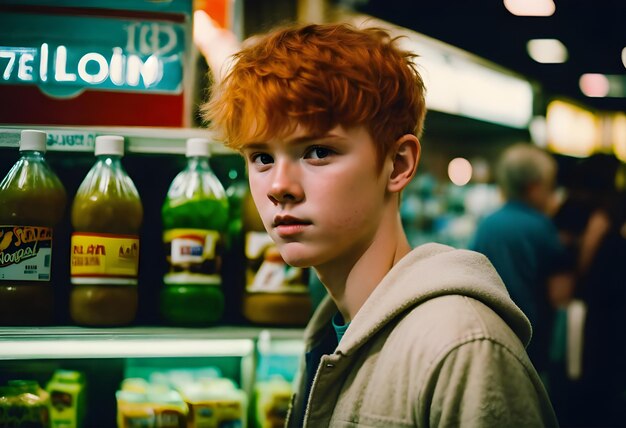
101, 75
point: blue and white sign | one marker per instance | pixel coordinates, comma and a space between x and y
64, 55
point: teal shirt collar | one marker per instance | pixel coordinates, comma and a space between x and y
339, 326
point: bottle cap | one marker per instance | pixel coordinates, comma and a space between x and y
198, 147
109, 145
33, 140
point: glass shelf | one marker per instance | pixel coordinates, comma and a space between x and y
138, 139
77, 342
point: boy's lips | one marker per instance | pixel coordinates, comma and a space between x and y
286, 225
288, 220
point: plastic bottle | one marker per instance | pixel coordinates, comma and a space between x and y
32, 202
275, 293
233, 272
106, 217
195, 219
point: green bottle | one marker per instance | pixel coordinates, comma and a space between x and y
195, 219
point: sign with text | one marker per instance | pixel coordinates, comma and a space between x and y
96, 63
64, 55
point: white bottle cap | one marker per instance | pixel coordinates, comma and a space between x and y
198, 147
109, 145
33, 140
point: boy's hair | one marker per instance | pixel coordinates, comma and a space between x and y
318, 77
521, 166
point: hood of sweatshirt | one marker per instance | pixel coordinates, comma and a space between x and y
427, 272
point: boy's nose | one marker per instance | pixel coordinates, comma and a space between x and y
285, 185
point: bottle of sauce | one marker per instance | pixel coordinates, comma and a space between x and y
106, 216
275, 293
195, 219
32, 202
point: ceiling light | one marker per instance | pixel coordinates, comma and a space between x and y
571, 130
547, 51
594, 85
624, 57
530, 7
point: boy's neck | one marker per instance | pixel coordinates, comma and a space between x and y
350, 282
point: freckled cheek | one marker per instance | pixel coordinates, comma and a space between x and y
348, 209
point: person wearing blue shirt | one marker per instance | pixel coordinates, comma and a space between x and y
521, 241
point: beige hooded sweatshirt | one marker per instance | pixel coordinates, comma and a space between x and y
438, 343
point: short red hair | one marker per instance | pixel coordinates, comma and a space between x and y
318, 77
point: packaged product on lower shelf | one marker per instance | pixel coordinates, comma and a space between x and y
23, 404
209, 401
151, 409
67, 399
272, 398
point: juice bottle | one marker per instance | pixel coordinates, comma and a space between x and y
195, 219
275, 293
32, 202
106, 217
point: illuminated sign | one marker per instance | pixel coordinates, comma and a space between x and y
460, 83
64, 55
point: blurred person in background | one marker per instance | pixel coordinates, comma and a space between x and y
594, 217
524, 245
328, 119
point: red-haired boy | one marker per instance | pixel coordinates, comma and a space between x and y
328, 119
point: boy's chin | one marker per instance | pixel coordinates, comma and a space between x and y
297, 262
296, 257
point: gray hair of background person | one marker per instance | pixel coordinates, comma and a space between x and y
521, 166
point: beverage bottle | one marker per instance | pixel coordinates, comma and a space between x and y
32, 202
233, 272
106, 216
275, 293
195, 219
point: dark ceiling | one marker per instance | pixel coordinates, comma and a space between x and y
594, 32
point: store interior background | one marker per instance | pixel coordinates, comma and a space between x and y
434, 208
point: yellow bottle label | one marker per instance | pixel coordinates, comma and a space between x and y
99, 258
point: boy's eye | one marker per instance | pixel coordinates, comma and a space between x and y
318, 153
262, 158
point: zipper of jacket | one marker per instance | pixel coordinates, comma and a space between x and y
313, 385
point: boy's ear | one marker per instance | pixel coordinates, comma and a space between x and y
405, 158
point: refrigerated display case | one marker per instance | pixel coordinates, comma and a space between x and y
109, 355
78, 70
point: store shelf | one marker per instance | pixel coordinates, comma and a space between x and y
19, 343
138, 139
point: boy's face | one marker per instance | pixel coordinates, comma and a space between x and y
320, 198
